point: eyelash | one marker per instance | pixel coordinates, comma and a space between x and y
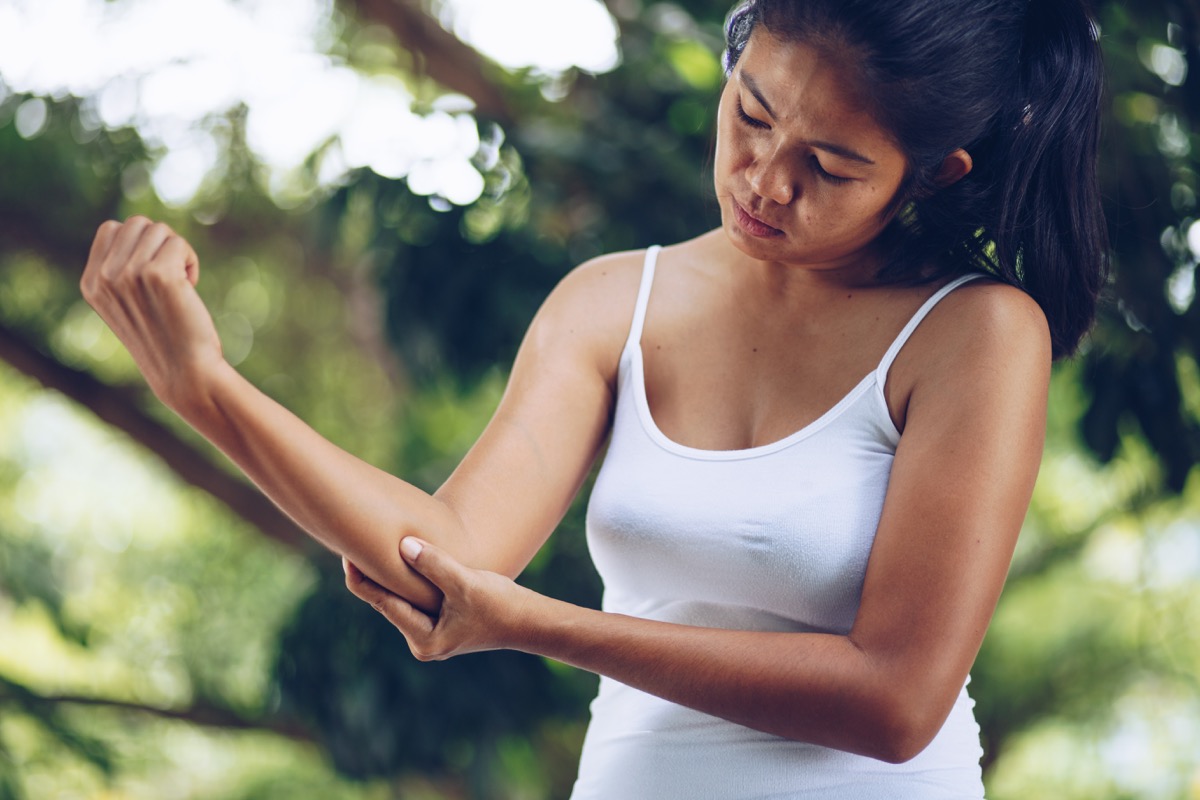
746, 119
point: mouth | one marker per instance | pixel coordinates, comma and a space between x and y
752, 224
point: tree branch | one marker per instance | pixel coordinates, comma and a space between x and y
197, 713
440, 54
118, 406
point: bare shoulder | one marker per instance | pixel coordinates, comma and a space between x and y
605, 279
997, 308
985, 343
1000, 327
983, 324
590, 310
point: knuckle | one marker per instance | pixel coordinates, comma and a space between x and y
144, 276
113, 275
107, 275
426, 649
149, 278
91, 295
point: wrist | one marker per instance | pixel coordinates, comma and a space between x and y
538, 624
195, 395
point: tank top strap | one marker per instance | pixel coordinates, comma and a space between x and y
886, 363
643, 297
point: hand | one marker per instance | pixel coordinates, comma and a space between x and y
480, 611
140, 278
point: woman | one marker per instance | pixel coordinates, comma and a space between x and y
824, 418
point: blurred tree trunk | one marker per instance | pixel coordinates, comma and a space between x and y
120, 407
438, 53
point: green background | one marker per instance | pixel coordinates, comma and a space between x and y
164, 633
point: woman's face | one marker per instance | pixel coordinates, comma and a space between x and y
803, 173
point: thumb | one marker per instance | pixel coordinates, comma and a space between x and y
191, 265
431, 562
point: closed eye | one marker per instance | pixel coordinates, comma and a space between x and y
837, 180
747, 119
815, 162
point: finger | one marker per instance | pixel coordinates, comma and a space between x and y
103, 240
191, 263
438, 567
398, 611
172, 258
122, 246
354, 574
101, 244
150, 243
351, 569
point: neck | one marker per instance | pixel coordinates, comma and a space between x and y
808, 284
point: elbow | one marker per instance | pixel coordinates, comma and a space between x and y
901, 728
901, 748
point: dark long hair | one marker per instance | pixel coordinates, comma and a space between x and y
1018, 85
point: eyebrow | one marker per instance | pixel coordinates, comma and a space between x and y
837, 149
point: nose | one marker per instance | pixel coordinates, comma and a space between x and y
771, 179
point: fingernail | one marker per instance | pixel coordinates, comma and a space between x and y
411, 548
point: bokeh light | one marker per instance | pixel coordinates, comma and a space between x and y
174, 68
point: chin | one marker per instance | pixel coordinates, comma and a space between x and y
764, 248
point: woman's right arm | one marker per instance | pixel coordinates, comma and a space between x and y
497, 508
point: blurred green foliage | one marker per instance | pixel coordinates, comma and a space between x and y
1143, 358
155, 644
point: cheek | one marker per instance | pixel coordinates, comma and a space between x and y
844, 213
732, 147
725, 148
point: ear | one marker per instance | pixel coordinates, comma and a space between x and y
954, 168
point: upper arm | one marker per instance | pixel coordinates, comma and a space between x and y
960, 486
519, 478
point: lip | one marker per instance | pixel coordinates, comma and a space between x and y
752, 224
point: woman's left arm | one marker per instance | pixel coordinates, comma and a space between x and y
963, 474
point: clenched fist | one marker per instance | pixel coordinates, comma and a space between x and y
140, 278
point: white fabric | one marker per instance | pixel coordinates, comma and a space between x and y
771, 538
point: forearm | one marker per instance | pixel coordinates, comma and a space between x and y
353, 508
885, 696
817, 688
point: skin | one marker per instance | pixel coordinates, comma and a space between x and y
792, 310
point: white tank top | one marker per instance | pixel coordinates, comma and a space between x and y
770, 538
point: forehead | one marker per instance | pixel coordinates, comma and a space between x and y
804, 83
